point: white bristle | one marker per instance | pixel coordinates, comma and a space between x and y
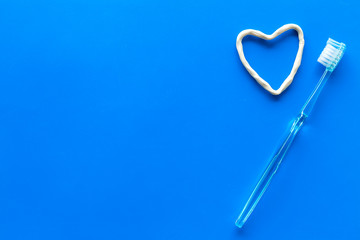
331, 54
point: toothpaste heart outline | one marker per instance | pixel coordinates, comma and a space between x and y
261, 35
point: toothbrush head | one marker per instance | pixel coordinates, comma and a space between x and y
332, 54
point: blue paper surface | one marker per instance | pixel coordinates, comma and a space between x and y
137, 120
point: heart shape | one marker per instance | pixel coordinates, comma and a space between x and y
259, 34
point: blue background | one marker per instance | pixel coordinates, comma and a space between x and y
136, 120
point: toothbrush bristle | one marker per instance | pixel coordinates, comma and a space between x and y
332, 54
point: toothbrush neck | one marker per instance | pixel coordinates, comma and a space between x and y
310, 103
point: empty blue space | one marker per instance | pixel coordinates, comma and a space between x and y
137, 120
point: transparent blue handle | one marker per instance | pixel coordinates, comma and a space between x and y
269, 172
273, 165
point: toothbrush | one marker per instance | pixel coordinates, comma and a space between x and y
330, 57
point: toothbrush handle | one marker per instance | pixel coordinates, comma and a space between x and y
269, 172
